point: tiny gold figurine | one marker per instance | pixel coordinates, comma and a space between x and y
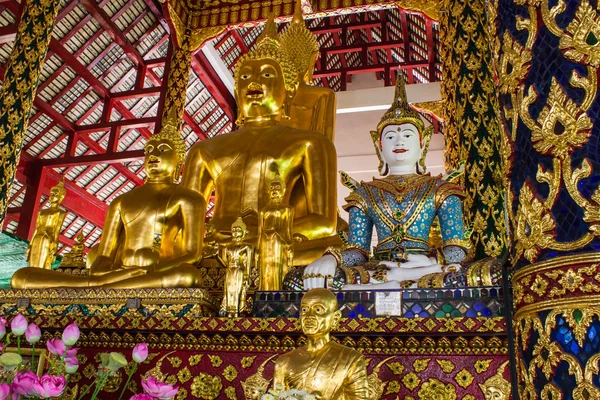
43, 246
275, 244
211, 247
75, 258
236, 165
238, 258
496, 387
152, 235
324, 368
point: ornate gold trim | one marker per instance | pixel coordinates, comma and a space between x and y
583, 258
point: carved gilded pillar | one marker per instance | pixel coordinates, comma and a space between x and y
472, 131
548, 82
177, 81
19, 86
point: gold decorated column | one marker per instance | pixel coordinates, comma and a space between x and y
472, 130
177, 80
20, 85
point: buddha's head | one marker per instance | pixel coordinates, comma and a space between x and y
209, 230
238, 230
401, 139
57, 193
318, 313
276, 188
265, 80
79, 238
164, 153
496, 387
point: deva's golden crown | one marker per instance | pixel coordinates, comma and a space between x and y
400, 112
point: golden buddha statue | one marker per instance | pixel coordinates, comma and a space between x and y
211, 247
75, 258
275, 245
42, 248
152, 235
235, 165
238, 258
496, 387
324, 368
313, 107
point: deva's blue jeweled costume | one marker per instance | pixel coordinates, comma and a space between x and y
402, 209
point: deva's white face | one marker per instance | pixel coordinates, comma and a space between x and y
400, 145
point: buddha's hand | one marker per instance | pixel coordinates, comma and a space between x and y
102, 265
318, 271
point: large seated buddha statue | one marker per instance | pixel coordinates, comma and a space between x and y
402, 207
152, 235
240, 165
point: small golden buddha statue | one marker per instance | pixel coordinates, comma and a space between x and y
496, 387
210, 247
276, 252
324, 368
238, 258
75, 258
235, 165
152, 235
41, 252
313, 108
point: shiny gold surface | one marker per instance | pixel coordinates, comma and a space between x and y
313, 107
496, 387
152, 235
44, 242
210, 247
75, 258
276, 252
238, 165
322, 366
238, 258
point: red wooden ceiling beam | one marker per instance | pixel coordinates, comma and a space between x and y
370, 68
136, 94
153, 7
112, 30
8, 34
94, 159
123, 123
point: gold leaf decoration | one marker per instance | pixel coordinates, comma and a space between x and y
420, 365
216, 361
195, 359
433, 389
175, 361
184, 375
206, 387
482, 365
248, 361
464, 379
446, 366
230, 373
411, 381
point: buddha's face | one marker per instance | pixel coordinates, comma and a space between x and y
318, 313
276, 191
56, 196
261, 89
401, 145
161, 159
493, 393
210, 229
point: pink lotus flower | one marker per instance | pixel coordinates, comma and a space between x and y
23, 384
33, 333
71, 365
141, 396
158, 389
2, 327
140, 352
71, 334
18, 326
50, 386
4, 391
56, 347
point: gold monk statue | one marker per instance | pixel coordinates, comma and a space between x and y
313, 107
275, 244
43, 246
238, 257
235, 165
152, 235
328, 370
75, 258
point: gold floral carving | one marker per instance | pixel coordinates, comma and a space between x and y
534, 226
446, 365
464, 378
207, 387
376, 385
411, 380
580, 41
432, 389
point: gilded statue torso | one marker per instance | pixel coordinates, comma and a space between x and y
158, 219
47, 220
241, 162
